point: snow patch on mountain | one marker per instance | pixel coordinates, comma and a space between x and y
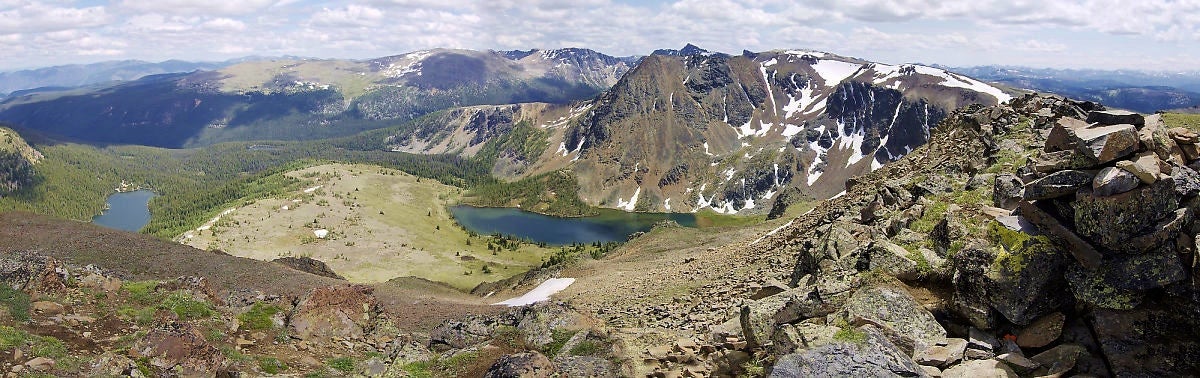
628, 206
835, 71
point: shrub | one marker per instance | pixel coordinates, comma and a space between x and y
186, 307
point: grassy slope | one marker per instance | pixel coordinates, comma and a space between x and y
1191, 121
383, 224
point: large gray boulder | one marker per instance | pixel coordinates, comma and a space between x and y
1156, 340
818, 296
892, 308
1113, 180
1106, 143
1109, 221
1120, 281
1007, 191
872, 356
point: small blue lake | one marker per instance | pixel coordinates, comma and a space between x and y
609, 225
127, 211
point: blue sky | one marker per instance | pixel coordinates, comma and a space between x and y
1106, 34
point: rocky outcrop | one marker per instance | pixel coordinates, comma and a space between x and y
178, 347
338, 311
309, 265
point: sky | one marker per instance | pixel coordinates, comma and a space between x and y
1104, 34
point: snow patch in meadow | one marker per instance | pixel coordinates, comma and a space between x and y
540, 293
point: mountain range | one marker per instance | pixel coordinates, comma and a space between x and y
1139, 91
687, 130
287, 99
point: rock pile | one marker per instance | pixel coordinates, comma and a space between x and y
1069, 249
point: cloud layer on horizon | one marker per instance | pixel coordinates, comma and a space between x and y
1159, 34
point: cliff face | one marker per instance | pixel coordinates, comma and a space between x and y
17, 159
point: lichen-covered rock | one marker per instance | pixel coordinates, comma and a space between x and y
1024, 280
819, 296
971, 285
873, 356
1109, 221
891, 259
910, 326
1156, 340
1119, 282
522, 365
1057, 184
1166, 230
1007, 191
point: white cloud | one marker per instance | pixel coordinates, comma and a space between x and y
40, 17
960, 32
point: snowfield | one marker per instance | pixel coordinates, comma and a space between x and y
540, 293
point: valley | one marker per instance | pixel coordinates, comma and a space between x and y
369, 225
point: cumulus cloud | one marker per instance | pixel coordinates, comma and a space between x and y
886, 30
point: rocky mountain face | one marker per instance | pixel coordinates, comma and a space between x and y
17, 159
308, 98
689, 129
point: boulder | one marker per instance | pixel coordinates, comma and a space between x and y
1166, 230
1057, 184
1115, 117
1191, 152
971, 285
1059, 360
1060, 160
1042, 331
892, 259
1006, 191
819, 297
342, 311
1146, 166
1120, 280
1156, 139
908, 323
1059, 138
790, 338
1109, 221
1106, 143
875, 356
980, 369
525, 365
1113, 180
1084, 252
980, 344
1023, 281
1156, 340
1019, 363
1187, 181
179, 348
943, 353
1183, 135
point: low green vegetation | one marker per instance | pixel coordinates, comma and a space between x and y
1185, 120
558, 338
16, 301
271, 365
186, 307
259, 316
707, 219
37, 346
343, 364
586, 348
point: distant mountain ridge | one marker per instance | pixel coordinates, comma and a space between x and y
77, 75
297, 98
1140, 91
